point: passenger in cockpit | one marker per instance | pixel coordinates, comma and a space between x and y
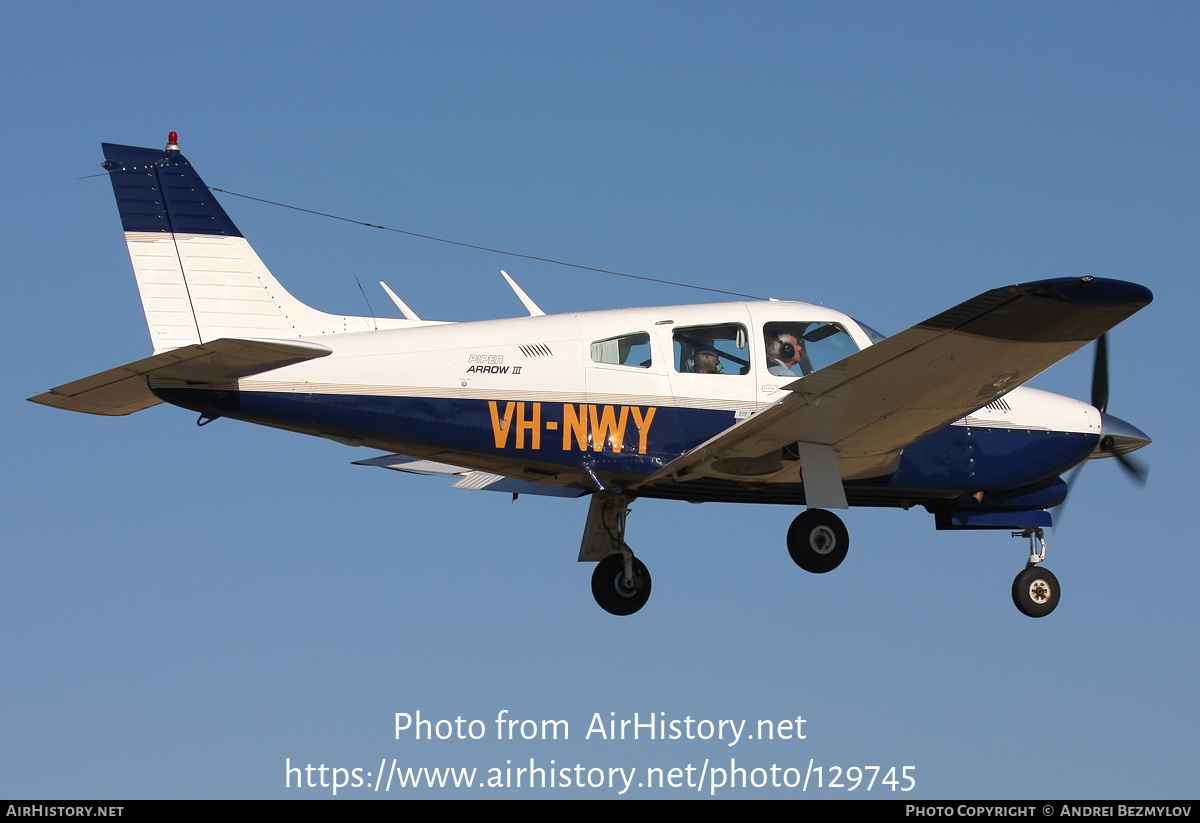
707, 362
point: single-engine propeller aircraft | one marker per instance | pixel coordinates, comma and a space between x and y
746, 402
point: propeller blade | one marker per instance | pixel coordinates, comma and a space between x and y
1070, 481
1117, 433
1100, 374
1134, 469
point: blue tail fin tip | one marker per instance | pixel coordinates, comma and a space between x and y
157, 190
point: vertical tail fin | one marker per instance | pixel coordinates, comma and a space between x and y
198, 277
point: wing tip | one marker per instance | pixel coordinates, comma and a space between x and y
1092, 291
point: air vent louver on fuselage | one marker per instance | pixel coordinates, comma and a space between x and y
532, 350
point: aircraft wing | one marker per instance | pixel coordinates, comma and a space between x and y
863, 410
126, 389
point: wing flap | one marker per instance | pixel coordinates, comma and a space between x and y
470, 478
414, 465
126, 389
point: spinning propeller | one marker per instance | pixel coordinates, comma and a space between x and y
1117, 438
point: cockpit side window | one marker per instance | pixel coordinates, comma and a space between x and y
719, 349
624, 350
795, 349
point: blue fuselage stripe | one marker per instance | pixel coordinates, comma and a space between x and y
632, 440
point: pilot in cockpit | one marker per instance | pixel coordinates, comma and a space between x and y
784, 352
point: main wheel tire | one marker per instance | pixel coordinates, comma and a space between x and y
610, 591
1035, 591
818, 541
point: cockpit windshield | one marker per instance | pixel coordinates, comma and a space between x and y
875, 336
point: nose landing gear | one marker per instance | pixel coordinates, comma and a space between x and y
1035, 591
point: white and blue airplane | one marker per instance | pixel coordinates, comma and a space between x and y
748, 402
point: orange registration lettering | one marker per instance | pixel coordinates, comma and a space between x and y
501, 426
574, 427
643, 425
606, 430
532, 424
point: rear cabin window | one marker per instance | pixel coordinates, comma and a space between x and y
623, 350
712, 349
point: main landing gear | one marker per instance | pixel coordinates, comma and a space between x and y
1035, 591
817, 541
620, 582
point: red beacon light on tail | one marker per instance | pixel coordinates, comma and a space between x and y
173, 141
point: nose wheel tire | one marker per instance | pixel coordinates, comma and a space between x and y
1035, 591
613, 592
817, 541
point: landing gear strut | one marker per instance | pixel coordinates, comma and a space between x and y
621, 582
817, 541
1035, 591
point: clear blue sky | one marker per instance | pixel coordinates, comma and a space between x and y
185, 608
